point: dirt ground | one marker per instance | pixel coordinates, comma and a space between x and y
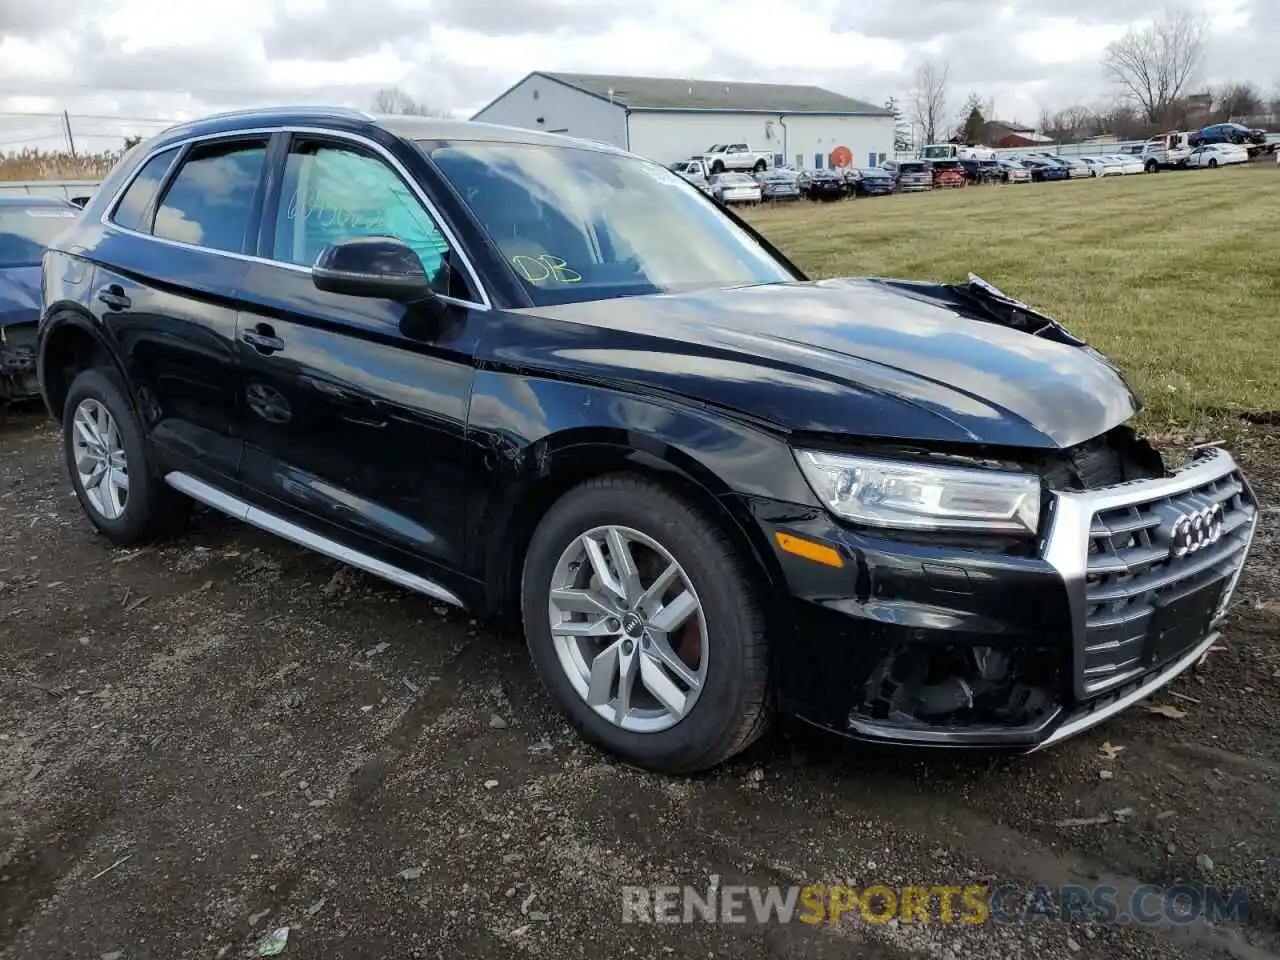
207, 740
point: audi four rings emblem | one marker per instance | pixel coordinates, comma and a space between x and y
1196, 530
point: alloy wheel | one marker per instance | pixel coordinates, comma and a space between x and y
628, 629
100, 459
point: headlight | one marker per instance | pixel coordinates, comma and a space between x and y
916, 496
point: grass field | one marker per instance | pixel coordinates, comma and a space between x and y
1175, 276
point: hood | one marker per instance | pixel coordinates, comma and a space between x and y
855, 357
19, 294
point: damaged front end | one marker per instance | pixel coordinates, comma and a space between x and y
18, 380
954, 641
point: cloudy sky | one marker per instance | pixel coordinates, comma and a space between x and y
103, 59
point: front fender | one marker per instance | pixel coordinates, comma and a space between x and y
535, 437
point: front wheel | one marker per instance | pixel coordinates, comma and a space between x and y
643, 623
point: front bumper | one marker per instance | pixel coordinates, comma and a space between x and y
1006, 648
18, 380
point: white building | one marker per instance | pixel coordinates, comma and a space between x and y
669, 119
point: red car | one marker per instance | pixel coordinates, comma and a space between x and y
948, 173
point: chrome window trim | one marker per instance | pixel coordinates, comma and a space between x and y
108, 212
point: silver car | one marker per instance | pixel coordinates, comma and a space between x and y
735, 188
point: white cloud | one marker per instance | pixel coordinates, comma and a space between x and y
144, 59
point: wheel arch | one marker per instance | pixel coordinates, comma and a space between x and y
568, 459
71, 342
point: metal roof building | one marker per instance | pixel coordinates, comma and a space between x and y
669, 118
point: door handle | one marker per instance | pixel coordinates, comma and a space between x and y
263, 339
114, 297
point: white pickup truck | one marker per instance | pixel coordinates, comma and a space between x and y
734, 156
1168, 151
952, 151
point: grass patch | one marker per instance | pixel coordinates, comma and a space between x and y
1175, 276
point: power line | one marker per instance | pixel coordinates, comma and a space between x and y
4, 114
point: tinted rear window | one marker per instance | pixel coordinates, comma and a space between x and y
210, 202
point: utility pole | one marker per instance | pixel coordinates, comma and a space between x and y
71, 141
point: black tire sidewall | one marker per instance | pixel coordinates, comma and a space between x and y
104, 386
726, 604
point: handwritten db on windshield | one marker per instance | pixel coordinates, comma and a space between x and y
545, 267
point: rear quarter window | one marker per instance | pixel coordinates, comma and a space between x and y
137, 198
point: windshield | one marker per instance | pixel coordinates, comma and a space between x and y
934, 152
578, 224
26, 231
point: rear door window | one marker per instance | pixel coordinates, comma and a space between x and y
210, 202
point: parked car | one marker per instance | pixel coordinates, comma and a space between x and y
28, 224
947, 173
1218, 155
1076, 170
778, 185
721, 157
1236, 133
1129, 163
736, 188
435, 351
912, 175
982, 171
823, 185
1044, 170
694, 171
1101, 167
875, 182
1013, 171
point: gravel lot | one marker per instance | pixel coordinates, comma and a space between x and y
206, 740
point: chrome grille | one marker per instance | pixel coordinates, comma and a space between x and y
1115, 548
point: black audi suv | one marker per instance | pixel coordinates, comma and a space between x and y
548, 380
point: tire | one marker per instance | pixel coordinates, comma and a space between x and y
759, 167
1152, 167
717, 166
147, 507
1213, 162
732, 705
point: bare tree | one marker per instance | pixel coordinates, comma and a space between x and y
1238, 101
929, 98
395, 100
1152, 65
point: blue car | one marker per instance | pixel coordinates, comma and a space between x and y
27, 226
875, 182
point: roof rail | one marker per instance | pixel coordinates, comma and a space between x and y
282, 108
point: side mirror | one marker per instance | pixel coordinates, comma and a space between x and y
382, 267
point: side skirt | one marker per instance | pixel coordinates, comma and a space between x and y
240, 510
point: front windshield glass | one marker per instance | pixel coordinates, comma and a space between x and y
26, 231
578, 224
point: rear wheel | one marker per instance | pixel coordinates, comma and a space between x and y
106, 456
643, 623
759, 167
1213, 161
